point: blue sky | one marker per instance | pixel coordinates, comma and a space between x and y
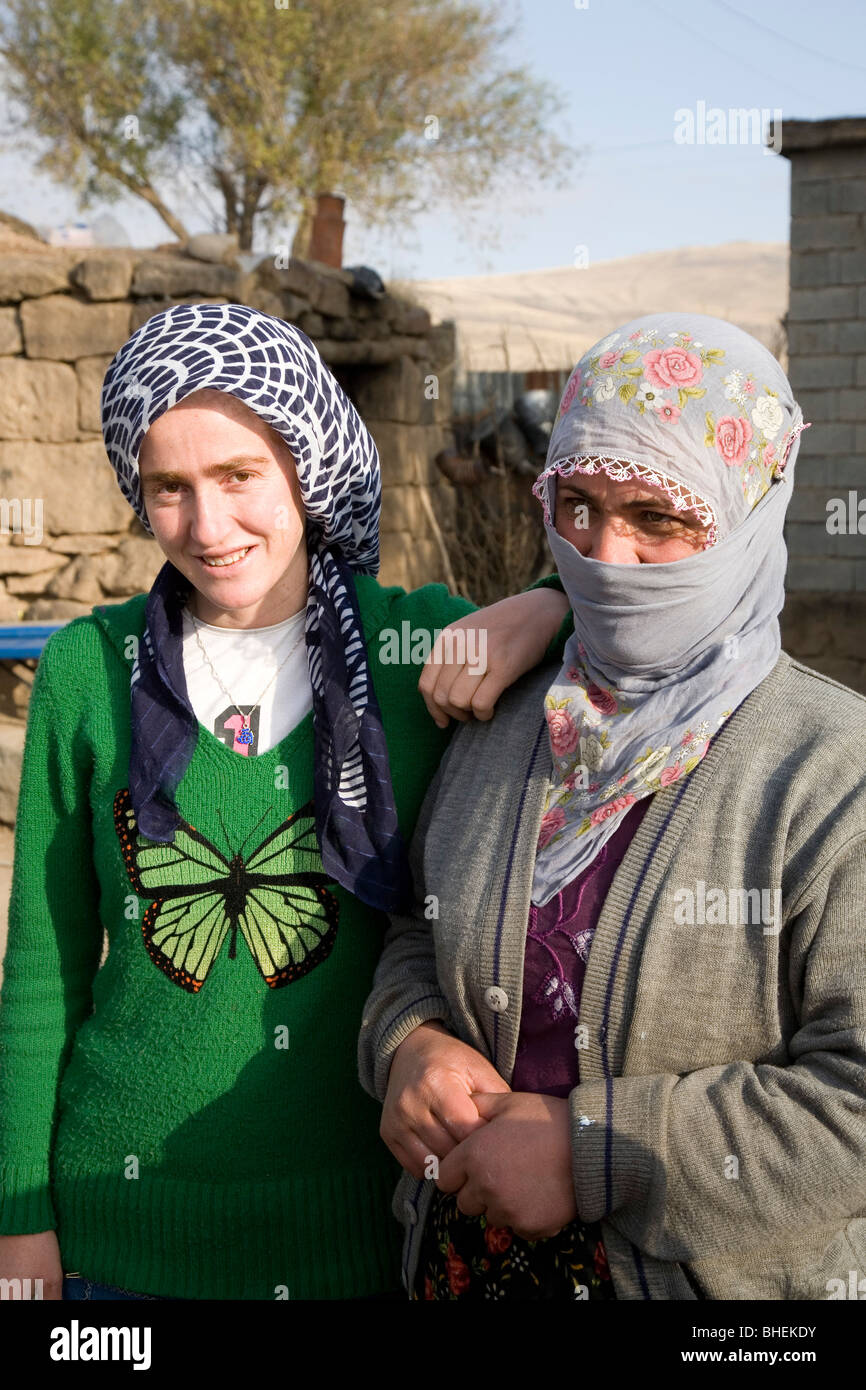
624, 68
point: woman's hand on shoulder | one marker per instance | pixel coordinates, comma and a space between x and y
477, 657
428, 1107
33, 1257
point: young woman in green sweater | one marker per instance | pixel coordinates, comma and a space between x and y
221, 775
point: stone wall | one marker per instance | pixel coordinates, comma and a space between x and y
68, 539
824, 623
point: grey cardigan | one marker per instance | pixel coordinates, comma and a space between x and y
719, 1128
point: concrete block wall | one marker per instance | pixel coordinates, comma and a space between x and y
825, 616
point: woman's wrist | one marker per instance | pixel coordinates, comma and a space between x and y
423, 1032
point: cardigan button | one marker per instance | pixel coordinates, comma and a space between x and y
496, 999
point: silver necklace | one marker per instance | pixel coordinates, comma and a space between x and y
245, 734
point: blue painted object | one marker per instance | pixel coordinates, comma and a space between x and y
19, 640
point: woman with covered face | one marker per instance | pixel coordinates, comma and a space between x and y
220, 775
625, 1056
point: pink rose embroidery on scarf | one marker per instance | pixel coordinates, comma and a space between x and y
571, 391
610, 808
564, 736
733, 434
551, 821
601, 699
672, 366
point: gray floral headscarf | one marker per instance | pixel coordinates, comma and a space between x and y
662, 654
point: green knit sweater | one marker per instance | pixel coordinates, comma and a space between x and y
195, 1144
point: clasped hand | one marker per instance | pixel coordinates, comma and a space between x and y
503, 1152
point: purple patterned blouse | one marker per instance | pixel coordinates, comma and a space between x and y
558, 939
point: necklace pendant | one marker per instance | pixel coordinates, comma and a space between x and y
245, 735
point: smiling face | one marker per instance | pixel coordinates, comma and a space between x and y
222, 497
625, 522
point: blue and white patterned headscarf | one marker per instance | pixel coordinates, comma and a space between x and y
274, 369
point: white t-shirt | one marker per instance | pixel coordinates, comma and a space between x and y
245, 659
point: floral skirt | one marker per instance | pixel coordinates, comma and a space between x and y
465, 1257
